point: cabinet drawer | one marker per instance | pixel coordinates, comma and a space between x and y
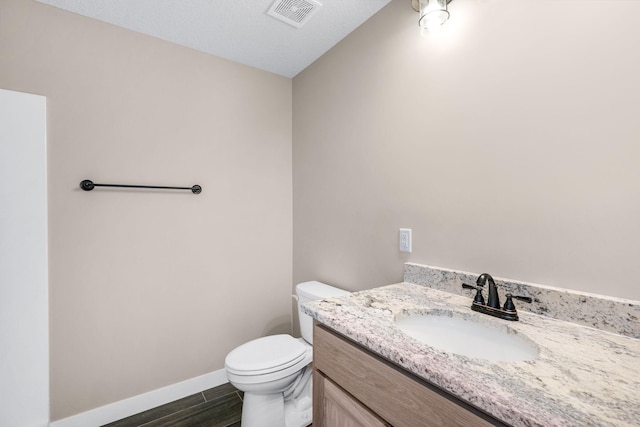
395, 395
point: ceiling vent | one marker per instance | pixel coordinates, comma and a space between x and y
294, 12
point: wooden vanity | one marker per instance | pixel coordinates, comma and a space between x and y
354, 387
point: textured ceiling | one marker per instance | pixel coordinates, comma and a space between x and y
239, 30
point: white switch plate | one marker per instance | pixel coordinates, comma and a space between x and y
405, 240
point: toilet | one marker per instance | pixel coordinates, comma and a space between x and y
274, 372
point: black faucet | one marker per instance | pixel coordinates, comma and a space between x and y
492, 306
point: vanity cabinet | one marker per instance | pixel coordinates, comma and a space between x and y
354, 387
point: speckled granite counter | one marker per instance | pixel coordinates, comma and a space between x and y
582, 376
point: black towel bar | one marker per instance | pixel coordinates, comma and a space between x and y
88, 185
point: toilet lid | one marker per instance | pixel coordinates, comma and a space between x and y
265, 355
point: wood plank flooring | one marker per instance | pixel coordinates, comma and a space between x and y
217, 407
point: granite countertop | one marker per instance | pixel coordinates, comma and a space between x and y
582, 376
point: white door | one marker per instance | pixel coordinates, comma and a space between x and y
24, 293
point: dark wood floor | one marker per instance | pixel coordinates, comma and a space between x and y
217, 407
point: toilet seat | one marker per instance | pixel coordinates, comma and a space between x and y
267, 355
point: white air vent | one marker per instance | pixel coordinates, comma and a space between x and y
294, 12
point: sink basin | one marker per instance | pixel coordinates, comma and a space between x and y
467, 336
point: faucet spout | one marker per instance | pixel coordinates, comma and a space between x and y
493, 299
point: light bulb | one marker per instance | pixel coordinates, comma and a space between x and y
433, 13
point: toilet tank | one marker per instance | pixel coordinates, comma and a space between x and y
313, 291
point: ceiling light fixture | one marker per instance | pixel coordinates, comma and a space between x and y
433, 13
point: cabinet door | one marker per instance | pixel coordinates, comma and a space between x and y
333, 407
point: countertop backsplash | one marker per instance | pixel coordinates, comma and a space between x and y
610, 314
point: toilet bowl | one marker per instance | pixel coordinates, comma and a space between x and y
274, 372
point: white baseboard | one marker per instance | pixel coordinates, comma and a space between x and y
143, 402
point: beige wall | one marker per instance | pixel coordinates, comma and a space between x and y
509, 143
152, 288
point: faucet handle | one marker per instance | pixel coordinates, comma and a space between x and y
508, 304
478, 299
521, 298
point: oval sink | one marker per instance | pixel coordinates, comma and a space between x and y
455, 333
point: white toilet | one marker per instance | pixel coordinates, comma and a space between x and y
274, 372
